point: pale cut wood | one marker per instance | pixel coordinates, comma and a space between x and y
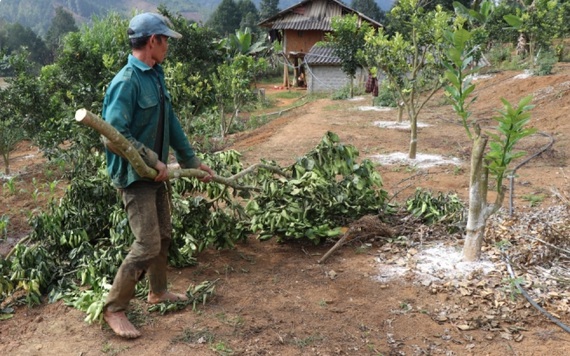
121, 146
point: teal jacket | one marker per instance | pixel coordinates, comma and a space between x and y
132, 106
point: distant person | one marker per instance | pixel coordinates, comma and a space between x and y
301, 80
138, 105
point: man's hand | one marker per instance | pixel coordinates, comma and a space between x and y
162, 172
210, 172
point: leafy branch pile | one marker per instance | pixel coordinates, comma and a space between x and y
444, 208
77, 245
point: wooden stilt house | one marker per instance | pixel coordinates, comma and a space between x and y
299, 27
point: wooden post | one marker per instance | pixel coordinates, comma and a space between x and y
285, 75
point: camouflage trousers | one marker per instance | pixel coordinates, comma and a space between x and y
148, 209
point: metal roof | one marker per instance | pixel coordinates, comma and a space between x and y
311, 15
322, 55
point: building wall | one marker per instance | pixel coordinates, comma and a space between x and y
330, 78
301, 41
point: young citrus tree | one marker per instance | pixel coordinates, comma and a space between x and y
347, 39
410, 60
492, 161
232, 84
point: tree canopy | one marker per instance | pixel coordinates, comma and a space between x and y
268, 8
369, 8
62, 24
226, 18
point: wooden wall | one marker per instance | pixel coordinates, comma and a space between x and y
301, 41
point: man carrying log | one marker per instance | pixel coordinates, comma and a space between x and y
138, 105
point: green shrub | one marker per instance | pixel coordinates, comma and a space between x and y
344, 92
544, 62
386, 95
499, 54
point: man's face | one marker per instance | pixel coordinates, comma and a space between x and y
159, 47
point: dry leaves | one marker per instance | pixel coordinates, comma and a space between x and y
537, 244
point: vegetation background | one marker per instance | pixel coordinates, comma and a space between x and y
71, 246
37, 14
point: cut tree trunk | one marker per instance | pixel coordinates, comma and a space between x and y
121, 146
479, 209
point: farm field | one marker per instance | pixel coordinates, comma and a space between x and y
403, 296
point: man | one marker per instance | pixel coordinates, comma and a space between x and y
139, 107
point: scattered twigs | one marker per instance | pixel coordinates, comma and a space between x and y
120, 145
411, 184
531, 301
549, 244
368, 226
336, 246
513, 173
560, 196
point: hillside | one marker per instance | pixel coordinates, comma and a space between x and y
374, 296
37, 14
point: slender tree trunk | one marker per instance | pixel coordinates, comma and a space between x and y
414, 136
400, 111
222, 122
478, 214
6, 163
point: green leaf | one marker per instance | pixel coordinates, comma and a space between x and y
513, 20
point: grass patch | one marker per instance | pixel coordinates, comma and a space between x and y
222, 349
191, 336
307, 341
534, 199
109, 349
137, 315
288, 94
334, 107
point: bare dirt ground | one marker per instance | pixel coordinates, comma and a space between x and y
370, 297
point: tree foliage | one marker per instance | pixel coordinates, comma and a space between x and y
268, 8
447, 5
15, 38
347, 39
232, 84
540, 22
21, 99
249, 15
226, 18
190, 62
61, 24
369, 8
85, 65
493, 162
410, 61
327, 189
